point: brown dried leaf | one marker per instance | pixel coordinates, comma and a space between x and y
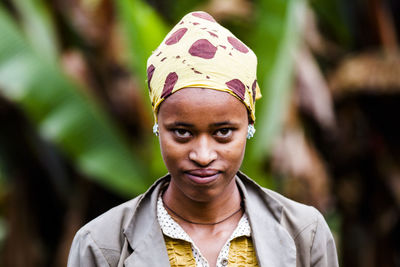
312, 92
76, 67
296, 159
225, 9
372, 72
91, 18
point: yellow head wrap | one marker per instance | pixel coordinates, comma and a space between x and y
199, 52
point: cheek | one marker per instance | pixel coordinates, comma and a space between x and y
234, 153
171, 152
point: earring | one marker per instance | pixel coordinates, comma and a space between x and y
155, 130
250, 131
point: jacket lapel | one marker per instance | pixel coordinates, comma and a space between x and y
150, 252
274, 245
144, 233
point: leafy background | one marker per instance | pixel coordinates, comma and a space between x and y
75, 136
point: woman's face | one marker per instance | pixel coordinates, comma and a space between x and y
202, 138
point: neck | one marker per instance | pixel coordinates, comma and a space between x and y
204, 211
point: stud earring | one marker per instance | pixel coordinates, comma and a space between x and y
155, 130
250, 131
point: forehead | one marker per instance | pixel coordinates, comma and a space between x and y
200, 103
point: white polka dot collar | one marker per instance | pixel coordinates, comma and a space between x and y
172, 229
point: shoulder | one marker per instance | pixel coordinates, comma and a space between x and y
104, 240
292, 215
306, 226
295, 217
314, 242
100, 242
298, 219
107, 229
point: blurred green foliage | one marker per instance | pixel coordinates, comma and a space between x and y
144, 30
38, 26
277, 28
64, 115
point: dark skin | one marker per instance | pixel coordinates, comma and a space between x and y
203, 139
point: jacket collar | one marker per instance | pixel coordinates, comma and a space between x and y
274, 246
144, 234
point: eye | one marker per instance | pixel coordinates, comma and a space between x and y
182, 133
224, 133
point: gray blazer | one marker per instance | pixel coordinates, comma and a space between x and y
284, 232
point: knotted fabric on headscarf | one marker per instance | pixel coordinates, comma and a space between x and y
199, 52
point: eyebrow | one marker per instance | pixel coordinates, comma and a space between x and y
185, 124
217, 124
178, 123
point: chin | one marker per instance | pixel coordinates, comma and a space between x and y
204, 196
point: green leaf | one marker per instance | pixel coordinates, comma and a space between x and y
38, 27
275, 39
144, 30
66, 116
275, 42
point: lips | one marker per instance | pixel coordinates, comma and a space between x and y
202, 176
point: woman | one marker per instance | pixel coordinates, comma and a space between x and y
205, 212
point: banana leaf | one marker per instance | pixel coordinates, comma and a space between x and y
38, 26
274, 40
64, 115
144, 29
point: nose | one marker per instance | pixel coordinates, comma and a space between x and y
203, 152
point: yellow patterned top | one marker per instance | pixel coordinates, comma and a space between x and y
241, 253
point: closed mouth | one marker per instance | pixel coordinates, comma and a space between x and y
203, 172
202, 176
